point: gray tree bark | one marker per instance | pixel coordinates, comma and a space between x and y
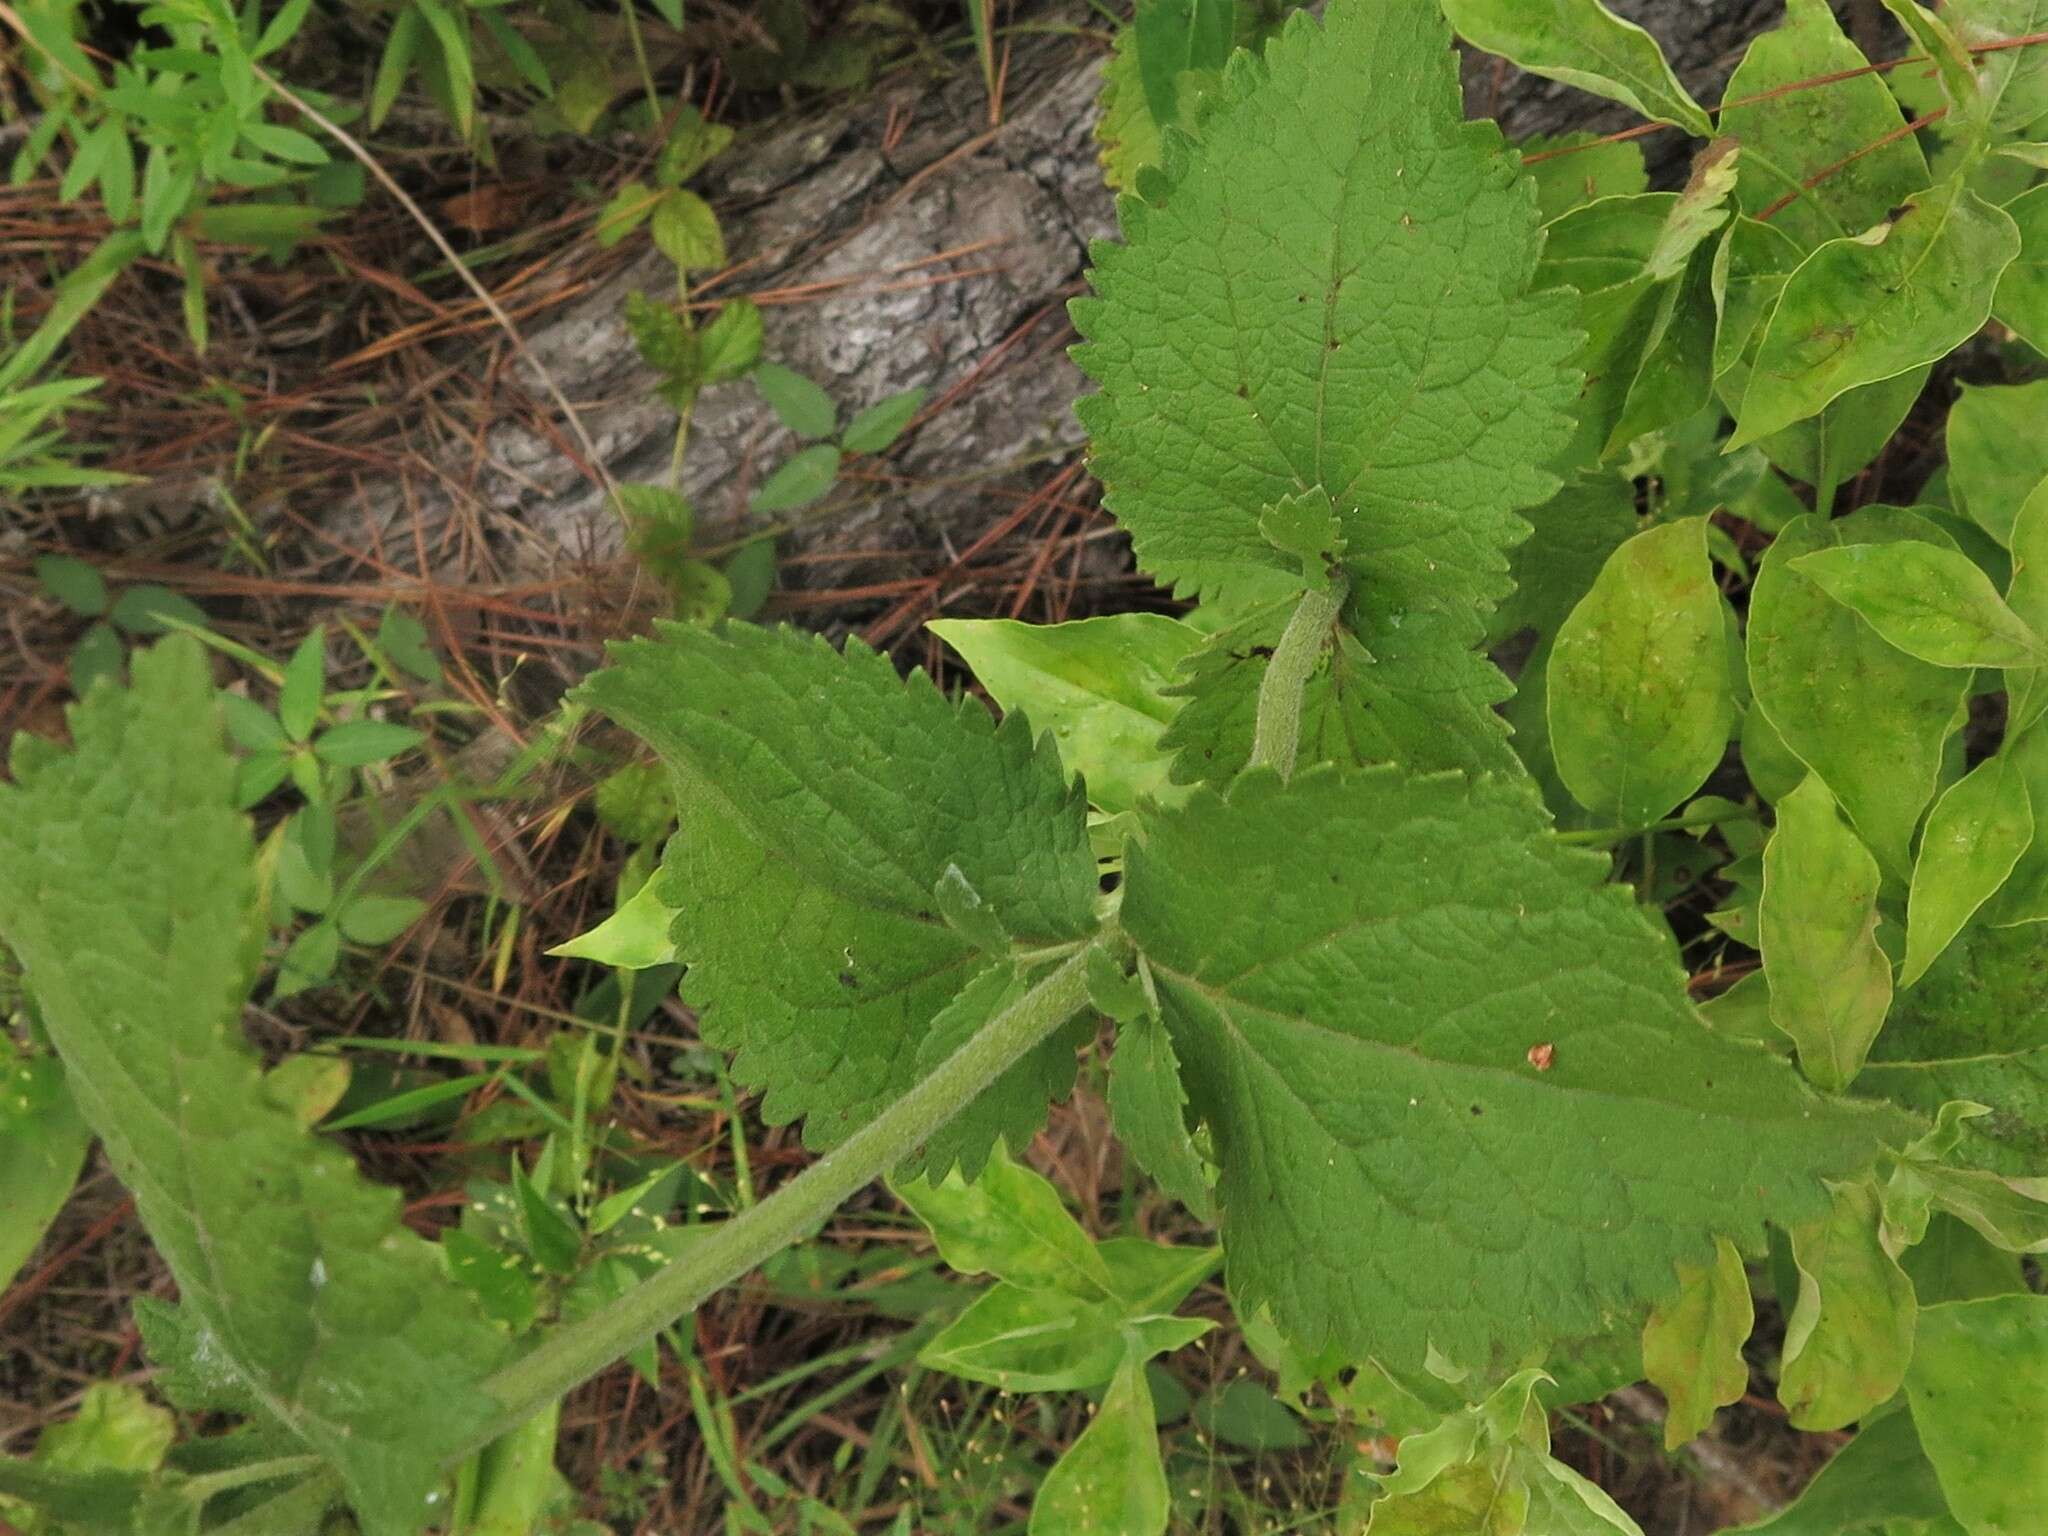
914, 250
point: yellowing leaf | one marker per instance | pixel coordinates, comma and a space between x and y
1640, 700
1929, 600
1869, 719
1830, 983
1582, 43
1851, 1331
1692, 1344
1110, 1480
1101, 686
1979, 1391
1976, 833
1877, 305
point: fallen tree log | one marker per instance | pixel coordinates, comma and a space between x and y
900, 243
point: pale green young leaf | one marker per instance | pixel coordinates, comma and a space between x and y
731, 343
1050, 1341
627, 210
1831, 984
1927, 599
1482, 1122
2009, 1214
1975, 834
1869, 719
1640, 701
1110, 1480
1978, 1387
1997, 451
1310, 299
1692, 1344
1850, 1333
1571, 169
1876, 305
1816, 145
1101, 686
633, 938
1674, 378
1487, 1470
686, 231
2021, 302
822, 799
1010, 1223
1976, 1028
1874, 1484
305, 1289
1582, 43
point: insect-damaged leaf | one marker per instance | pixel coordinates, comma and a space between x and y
127, 888
1850, 1333
822, 801
1495, 1125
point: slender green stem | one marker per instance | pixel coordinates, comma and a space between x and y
1607, 837
1278, 735
579, 1351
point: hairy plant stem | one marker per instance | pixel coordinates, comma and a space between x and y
575, 1353
1277, 737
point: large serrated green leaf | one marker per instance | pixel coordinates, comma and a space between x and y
1447, 1075
823, 802
1354, 320
127, 888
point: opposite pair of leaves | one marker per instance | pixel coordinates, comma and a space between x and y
1065, 1310
1354, 325
1353, 972
127, 888
1065, 1313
